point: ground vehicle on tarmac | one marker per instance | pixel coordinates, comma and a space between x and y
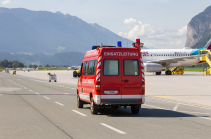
76, 73
112, 76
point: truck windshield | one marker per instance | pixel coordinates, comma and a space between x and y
111, 67
131, 67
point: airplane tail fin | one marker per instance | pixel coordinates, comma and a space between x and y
36, 68
207, 46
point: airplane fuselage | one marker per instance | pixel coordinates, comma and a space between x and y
149, 55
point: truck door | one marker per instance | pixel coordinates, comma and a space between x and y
131, 76
111, 75
84, 95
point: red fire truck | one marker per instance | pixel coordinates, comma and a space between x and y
112, 76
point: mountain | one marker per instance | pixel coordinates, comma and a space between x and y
24, 30
66, 58
199, 29
8, 56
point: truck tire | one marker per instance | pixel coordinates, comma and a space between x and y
93, 107
158, 73
135, 109
74, 74
79, 102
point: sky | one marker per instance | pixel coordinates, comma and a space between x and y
158, 23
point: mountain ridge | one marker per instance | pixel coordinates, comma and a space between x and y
42, 31
199, 29
66, 58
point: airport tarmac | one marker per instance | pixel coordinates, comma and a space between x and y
35, 108
192, 88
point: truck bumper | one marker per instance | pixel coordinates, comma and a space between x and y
119, 99
122, 101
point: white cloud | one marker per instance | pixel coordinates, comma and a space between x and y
155, 37
6, 2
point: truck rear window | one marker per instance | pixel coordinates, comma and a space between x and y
111, 67
131, 67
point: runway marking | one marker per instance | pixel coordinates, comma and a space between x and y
204, 118
59, 103
175, 108
46, 97
177, 102
17, 84
60, 85
195, 112
177, 111
79, 113
36, 93
154, 107
161, 96
73, 88
30, 90
63, 93
25, 88
112, 128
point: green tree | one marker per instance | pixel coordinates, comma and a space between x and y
47, 65
4, 63
34, 66
21, 65
10, 64
15, 63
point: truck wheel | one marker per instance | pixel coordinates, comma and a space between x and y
74, 74
135, 109
79, 102
54, 80
93, 106
158, 73
114, 106
49, 80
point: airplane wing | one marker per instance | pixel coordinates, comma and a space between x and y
168, 61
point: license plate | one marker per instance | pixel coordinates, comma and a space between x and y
110, 92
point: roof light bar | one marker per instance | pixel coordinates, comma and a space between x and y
119, 44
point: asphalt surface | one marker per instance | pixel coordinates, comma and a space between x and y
191, 88
34, 108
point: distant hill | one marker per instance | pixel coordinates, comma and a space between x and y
199, 29
8, 56
24, 30
66, 58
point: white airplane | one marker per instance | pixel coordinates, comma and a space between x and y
157, 60
74, 68
30, 69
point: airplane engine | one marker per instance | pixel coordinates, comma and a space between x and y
152, 67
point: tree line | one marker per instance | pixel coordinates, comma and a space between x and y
11, 64
16, 64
